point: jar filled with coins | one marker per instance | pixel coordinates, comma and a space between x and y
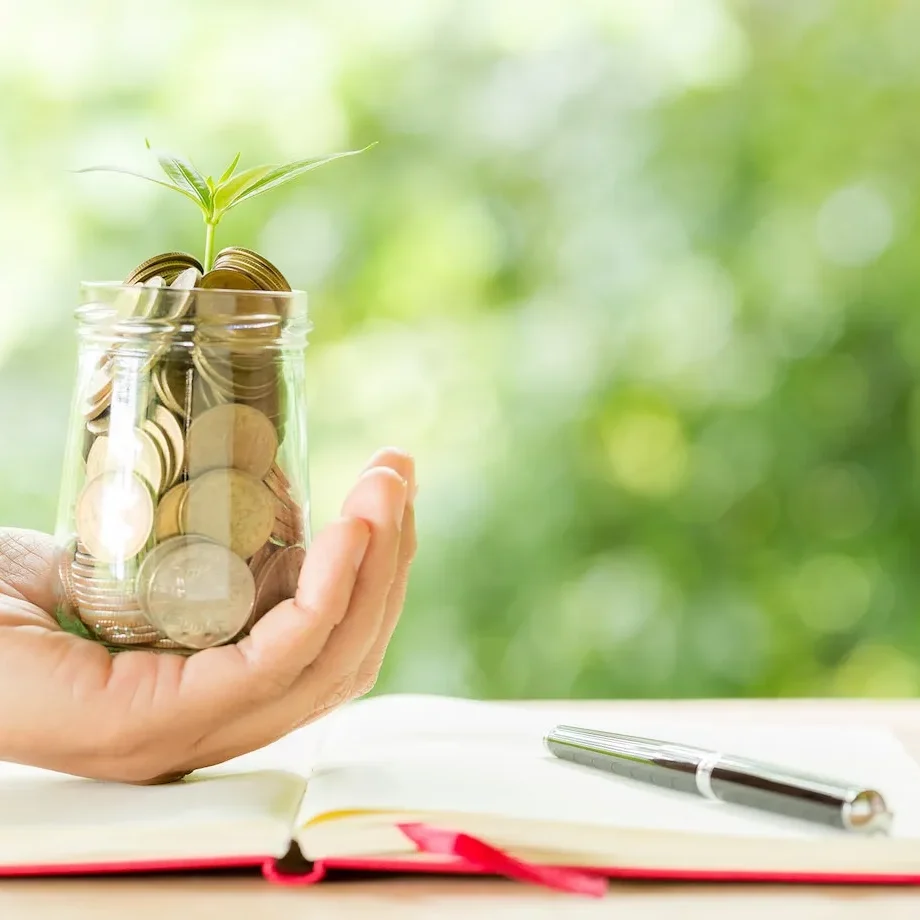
184, 508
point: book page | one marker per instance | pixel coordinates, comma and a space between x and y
430, 755
245, 807
49, 818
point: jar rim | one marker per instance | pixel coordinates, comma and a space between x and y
121, 286
103, 312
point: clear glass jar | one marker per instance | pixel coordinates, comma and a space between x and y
184, 505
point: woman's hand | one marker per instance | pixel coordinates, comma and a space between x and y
67, 704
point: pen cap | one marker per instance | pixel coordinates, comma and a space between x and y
797, 795
867, 812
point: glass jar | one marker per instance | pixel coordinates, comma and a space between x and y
184, 505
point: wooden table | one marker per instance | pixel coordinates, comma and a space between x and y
235, 897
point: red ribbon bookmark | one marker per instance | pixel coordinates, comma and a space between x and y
493, 861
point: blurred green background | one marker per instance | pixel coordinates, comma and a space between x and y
635, 281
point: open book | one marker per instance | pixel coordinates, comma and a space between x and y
421, 783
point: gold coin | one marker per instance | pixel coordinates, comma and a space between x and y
261, 311
247, 367
265, 281
135, 623
65, 589
117, 639
272, 407
231, 293
276, 581
278, 474
231, 435
167, 643
103, 578
173, 430
250, 380
167, 521
204, 396
247, 260
106, 607
99, 389
89, 586
98, 425
210, 384
181, 302
284, 536
127, 614
260, 558
81, 554
175, 262
115, 634
164, 446
96, 458
198, 593
230, 507
135, 450
288, 528
97, 580
98, 591
150, 562
114, 515
97, 619
137, 626
88, 440
173, 383
280, 486
227, 279
246, 257
148, 298
239, 386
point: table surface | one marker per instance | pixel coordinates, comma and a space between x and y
240, 895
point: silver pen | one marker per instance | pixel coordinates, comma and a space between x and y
725, 777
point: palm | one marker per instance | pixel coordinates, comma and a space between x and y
68, 704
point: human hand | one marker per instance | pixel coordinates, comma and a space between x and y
67, 704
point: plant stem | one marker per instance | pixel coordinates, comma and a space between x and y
209, 245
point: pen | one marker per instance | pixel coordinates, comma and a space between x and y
725, 777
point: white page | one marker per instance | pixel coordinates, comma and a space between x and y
430, 754
244, 807
49, 818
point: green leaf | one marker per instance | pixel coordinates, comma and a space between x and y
184, 174
279, 175
128, 172
236, 186
228, 172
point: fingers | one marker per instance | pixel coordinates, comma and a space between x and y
404, 464
321, 584
370, 668
291, 635
27, 562
380, 500
398, 461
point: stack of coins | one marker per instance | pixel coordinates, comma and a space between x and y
167, 266
187, 528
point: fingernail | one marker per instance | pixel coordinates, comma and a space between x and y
363, 542
400, 507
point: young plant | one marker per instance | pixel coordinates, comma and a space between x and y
214, 199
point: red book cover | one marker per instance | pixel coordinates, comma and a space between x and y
458, 854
